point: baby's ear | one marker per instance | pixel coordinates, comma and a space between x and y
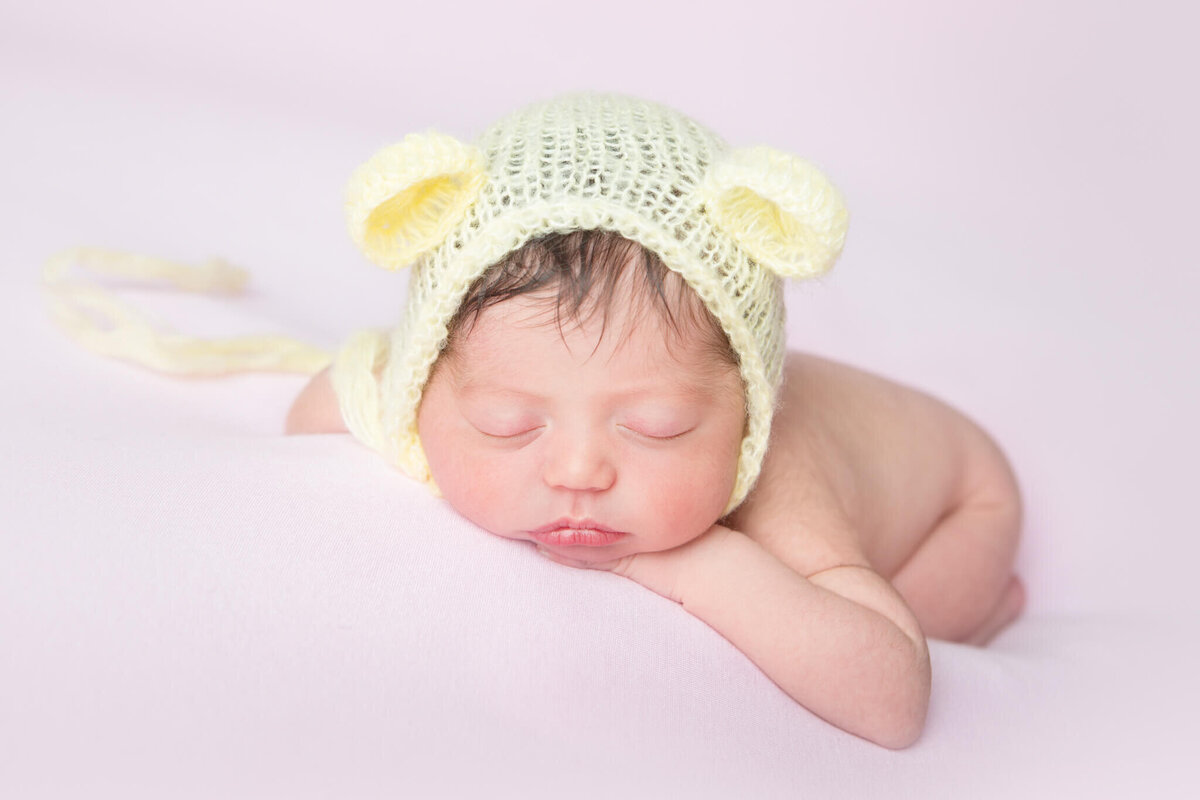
780, 208
403, 201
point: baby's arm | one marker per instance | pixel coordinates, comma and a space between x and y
841, 642
315, 409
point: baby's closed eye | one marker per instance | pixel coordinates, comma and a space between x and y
658, 423
660, 432
654, 422
500, 422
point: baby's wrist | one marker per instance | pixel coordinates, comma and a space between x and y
709, 558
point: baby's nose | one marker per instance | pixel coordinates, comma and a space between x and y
579, 463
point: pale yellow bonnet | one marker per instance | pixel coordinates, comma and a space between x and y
731, 221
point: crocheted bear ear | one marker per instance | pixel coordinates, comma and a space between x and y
781, 209
407, 197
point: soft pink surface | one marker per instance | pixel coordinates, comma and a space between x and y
193, 605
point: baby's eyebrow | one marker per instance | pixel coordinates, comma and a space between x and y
472, 387
689, 390
468, 381
709, 382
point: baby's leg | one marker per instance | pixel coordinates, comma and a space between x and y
1008, 609
959, 583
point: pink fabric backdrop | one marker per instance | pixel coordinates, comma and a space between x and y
192, 604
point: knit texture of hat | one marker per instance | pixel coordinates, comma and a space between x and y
731, 221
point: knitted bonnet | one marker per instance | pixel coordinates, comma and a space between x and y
731, 221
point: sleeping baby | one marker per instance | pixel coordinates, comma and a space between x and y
593, 360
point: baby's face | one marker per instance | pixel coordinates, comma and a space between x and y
526, 427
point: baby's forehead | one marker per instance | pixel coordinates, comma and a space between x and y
520, 337
626, 326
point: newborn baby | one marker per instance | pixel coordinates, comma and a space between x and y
586, 401
593, 360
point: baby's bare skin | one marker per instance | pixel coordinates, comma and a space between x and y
862, 470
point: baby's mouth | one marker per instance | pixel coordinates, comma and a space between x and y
585, 532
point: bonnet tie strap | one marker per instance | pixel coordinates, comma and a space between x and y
103, 324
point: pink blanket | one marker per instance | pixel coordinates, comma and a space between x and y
192, 604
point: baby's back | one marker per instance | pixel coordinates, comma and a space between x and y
859, 464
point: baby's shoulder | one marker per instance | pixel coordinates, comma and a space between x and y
315, 409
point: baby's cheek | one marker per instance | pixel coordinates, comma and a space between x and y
690, 495
486, 483
480, 489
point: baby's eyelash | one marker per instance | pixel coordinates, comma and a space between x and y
661, 438
669, 438
507, 436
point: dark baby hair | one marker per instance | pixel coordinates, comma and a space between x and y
587, 265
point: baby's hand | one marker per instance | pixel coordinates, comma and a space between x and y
662, 572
